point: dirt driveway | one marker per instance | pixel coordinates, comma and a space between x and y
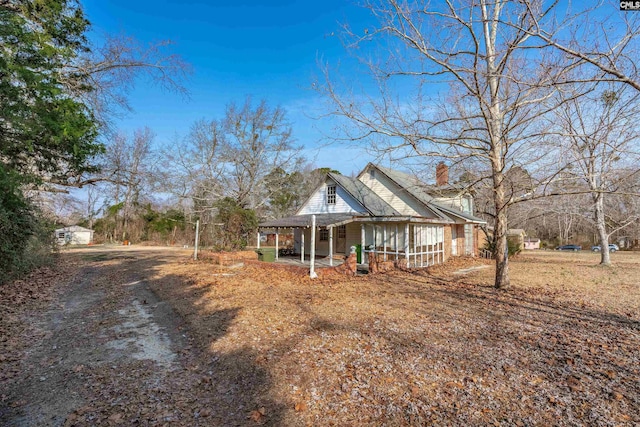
146, 336
107, 350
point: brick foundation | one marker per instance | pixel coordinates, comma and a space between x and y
377, 265
349, 267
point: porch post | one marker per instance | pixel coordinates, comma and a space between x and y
384, 242
362, 247
406, 243
375, 239
421, 246
415, 246
312, 261
277, 230
395, 243
331, 246
302, 247
258, 244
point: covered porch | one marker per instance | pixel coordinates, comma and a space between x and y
410, 241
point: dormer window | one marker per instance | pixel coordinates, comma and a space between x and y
331, 194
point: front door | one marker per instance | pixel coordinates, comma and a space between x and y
454, 240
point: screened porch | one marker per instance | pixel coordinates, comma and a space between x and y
423, 247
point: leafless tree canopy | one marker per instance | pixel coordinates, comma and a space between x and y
475, 82
230, 157
111, 70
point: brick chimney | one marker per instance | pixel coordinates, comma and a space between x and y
442, 174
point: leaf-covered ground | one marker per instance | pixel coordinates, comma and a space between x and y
173, 341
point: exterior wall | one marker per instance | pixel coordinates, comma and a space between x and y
532, 244
476, 231
352, 238
297, 240
447, 242
460, 202
74, 237
317, 203
322, 247
461, 239
353, 235
395, 196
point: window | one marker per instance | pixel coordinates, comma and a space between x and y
342, 232
61, 235
331, 194
324, 234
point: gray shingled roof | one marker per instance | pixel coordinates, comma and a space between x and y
295, 221
419, 190
364, 195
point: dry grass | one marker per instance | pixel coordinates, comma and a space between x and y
577, 277
560, 348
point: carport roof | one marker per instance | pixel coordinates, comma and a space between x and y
303, 221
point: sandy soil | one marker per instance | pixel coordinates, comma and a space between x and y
148, 336
99, 330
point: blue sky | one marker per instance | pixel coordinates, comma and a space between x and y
263, 49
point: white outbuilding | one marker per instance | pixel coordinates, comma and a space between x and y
74, 235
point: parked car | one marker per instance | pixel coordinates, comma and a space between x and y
612, 248
575, 248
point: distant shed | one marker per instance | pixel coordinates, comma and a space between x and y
74, 235
531, 243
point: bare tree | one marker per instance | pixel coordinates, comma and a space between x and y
131, 165
258, 140
95, 198
603, 150
464, 80
193, 168
598, 35
231, 158
111, 70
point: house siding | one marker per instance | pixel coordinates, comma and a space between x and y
317, 203
395, 196
461, 203
73, 237
353, 235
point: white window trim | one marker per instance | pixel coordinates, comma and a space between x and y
331, 195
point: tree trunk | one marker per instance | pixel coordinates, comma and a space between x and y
605, 258
494, 117
501, 254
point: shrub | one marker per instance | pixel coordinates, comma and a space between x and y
26, 240
237, 222
513, 248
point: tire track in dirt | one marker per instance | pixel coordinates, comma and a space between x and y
105, 322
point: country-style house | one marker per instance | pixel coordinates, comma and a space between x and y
386, 212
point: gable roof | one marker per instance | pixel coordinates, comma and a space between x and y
418, 190
364, 195
73, 228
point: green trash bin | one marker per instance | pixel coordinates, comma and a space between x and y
359, 254
266, 254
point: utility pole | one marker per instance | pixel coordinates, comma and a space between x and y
195, 252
